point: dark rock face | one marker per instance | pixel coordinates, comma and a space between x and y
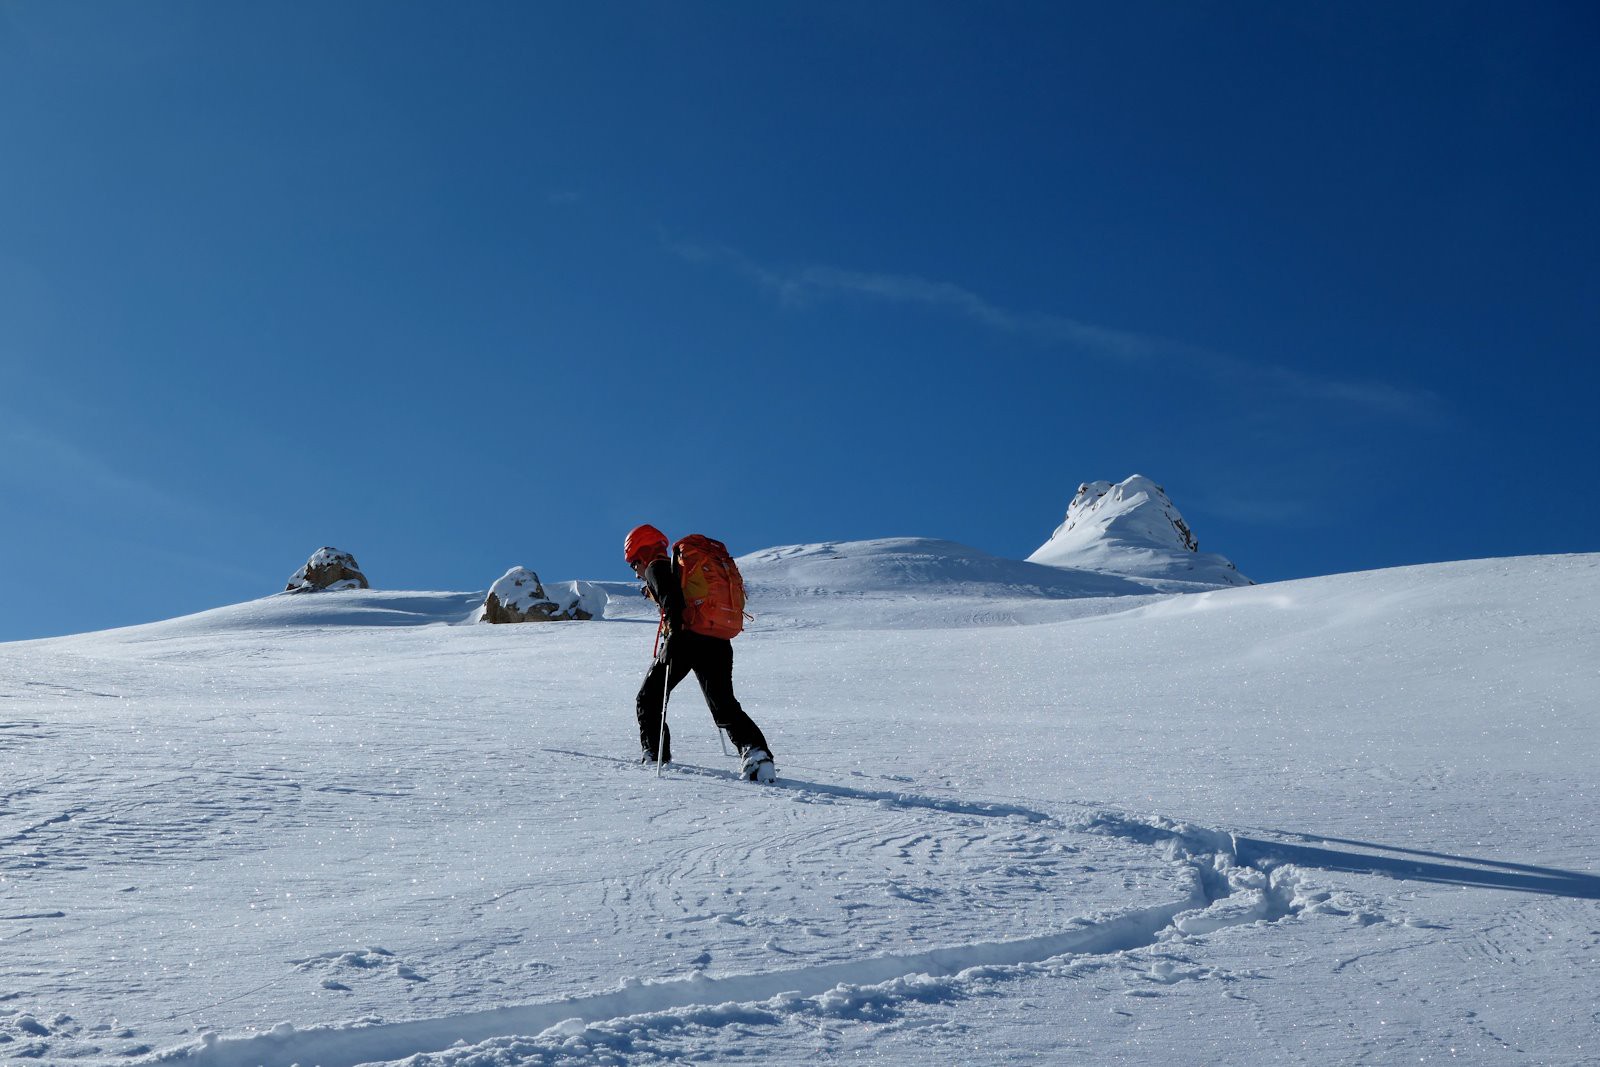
327, 569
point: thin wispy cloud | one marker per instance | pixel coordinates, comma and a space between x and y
808, 285
804, 286
50, 463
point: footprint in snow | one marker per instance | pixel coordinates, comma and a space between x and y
373, 959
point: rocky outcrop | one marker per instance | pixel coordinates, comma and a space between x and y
327, 569
519, 596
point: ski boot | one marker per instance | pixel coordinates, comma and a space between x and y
757, 767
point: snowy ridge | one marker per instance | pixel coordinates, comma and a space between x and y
1131, 528
363, 608
925, 582
919, 565
351, 607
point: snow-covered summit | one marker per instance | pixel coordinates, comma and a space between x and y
1132, 528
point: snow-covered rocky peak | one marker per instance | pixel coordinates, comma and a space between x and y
328, 568
1132, 528
1136, 509
519, 596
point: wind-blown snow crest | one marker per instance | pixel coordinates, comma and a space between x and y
920, 565
911, 582
1131, 528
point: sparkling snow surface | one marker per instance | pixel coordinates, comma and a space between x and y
1341, 820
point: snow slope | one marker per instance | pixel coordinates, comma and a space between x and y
1341, 820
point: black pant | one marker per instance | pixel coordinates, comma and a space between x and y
711, 660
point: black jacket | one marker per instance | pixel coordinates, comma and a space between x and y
661, 585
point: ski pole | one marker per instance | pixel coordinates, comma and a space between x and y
722, 735
666, 691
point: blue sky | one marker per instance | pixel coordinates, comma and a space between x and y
460, 286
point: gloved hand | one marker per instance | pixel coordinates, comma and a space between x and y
669, 645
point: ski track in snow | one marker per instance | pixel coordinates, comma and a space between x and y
819, 790
1222, 894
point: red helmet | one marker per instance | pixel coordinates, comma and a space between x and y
644, 542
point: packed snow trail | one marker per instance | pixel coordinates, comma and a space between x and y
883, 797
347, 1047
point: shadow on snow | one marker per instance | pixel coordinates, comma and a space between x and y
1483, 874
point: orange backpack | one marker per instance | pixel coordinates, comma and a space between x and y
713, 589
